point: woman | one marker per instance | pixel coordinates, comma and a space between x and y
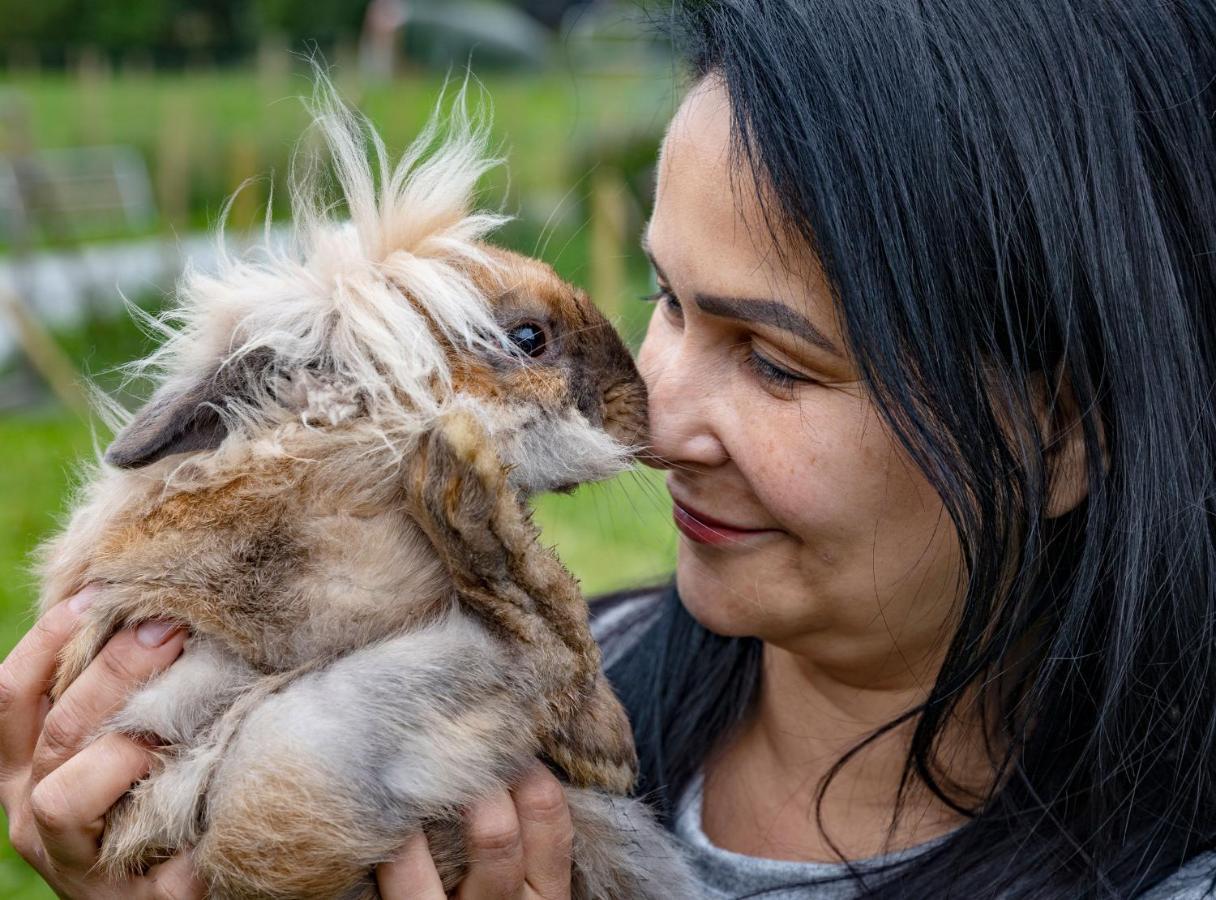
930, 370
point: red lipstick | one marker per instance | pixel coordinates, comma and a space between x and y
696, 526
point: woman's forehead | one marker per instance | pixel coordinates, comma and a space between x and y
698, 173
700, 128
709, 229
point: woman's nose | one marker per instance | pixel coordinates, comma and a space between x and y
685, 404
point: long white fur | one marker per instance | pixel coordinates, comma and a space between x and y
336, 291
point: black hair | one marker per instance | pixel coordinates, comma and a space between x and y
1006, 193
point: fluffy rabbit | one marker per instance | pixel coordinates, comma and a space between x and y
329, 488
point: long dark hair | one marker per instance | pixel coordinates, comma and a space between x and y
1001, 191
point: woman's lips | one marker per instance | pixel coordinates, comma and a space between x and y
703, 529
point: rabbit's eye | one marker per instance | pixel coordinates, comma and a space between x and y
529, 337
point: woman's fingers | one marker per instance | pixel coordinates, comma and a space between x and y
547, 833
496, 851
25, 677
130, 658
68, 806
411, 874
519, 845
55, 794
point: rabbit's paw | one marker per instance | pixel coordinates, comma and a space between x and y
126, 849
181, 702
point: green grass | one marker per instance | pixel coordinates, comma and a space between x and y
540, 116
222, 128
39, 453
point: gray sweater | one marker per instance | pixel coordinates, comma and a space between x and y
725, 875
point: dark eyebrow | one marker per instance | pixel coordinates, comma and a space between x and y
766, 312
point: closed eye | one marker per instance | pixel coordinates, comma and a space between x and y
774, 374
780, 378
667, 298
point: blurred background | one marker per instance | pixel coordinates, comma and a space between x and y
126, 124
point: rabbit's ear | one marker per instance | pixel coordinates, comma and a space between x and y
181, 419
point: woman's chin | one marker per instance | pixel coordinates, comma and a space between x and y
715, 602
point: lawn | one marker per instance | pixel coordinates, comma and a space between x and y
203, 135
552, 130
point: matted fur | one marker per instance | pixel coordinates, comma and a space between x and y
332, 290
329, 488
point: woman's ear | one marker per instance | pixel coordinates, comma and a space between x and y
1063, 435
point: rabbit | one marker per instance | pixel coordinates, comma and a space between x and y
329, 488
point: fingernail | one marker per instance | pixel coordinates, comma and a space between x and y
154, 633
82, 600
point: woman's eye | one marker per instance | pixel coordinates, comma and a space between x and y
668, 299
530, 338
781, 379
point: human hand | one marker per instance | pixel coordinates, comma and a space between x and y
519, 843
56, 784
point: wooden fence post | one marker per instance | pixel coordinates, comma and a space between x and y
93, 79
173, 164
46, 357
242, 166
609, 212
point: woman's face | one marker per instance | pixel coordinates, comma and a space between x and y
836, 547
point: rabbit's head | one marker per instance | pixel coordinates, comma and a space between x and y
560, 397
378, 324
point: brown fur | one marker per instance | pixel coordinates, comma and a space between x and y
489, 545
228, 545
378, 636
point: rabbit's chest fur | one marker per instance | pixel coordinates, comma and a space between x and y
267, 555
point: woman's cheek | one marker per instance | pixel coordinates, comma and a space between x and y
809, 475
821, 523
833, 493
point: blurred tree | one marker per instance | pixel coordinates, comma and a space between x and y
143, 23
322, 20
169, 30
549, 12
38, 23
35, 22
